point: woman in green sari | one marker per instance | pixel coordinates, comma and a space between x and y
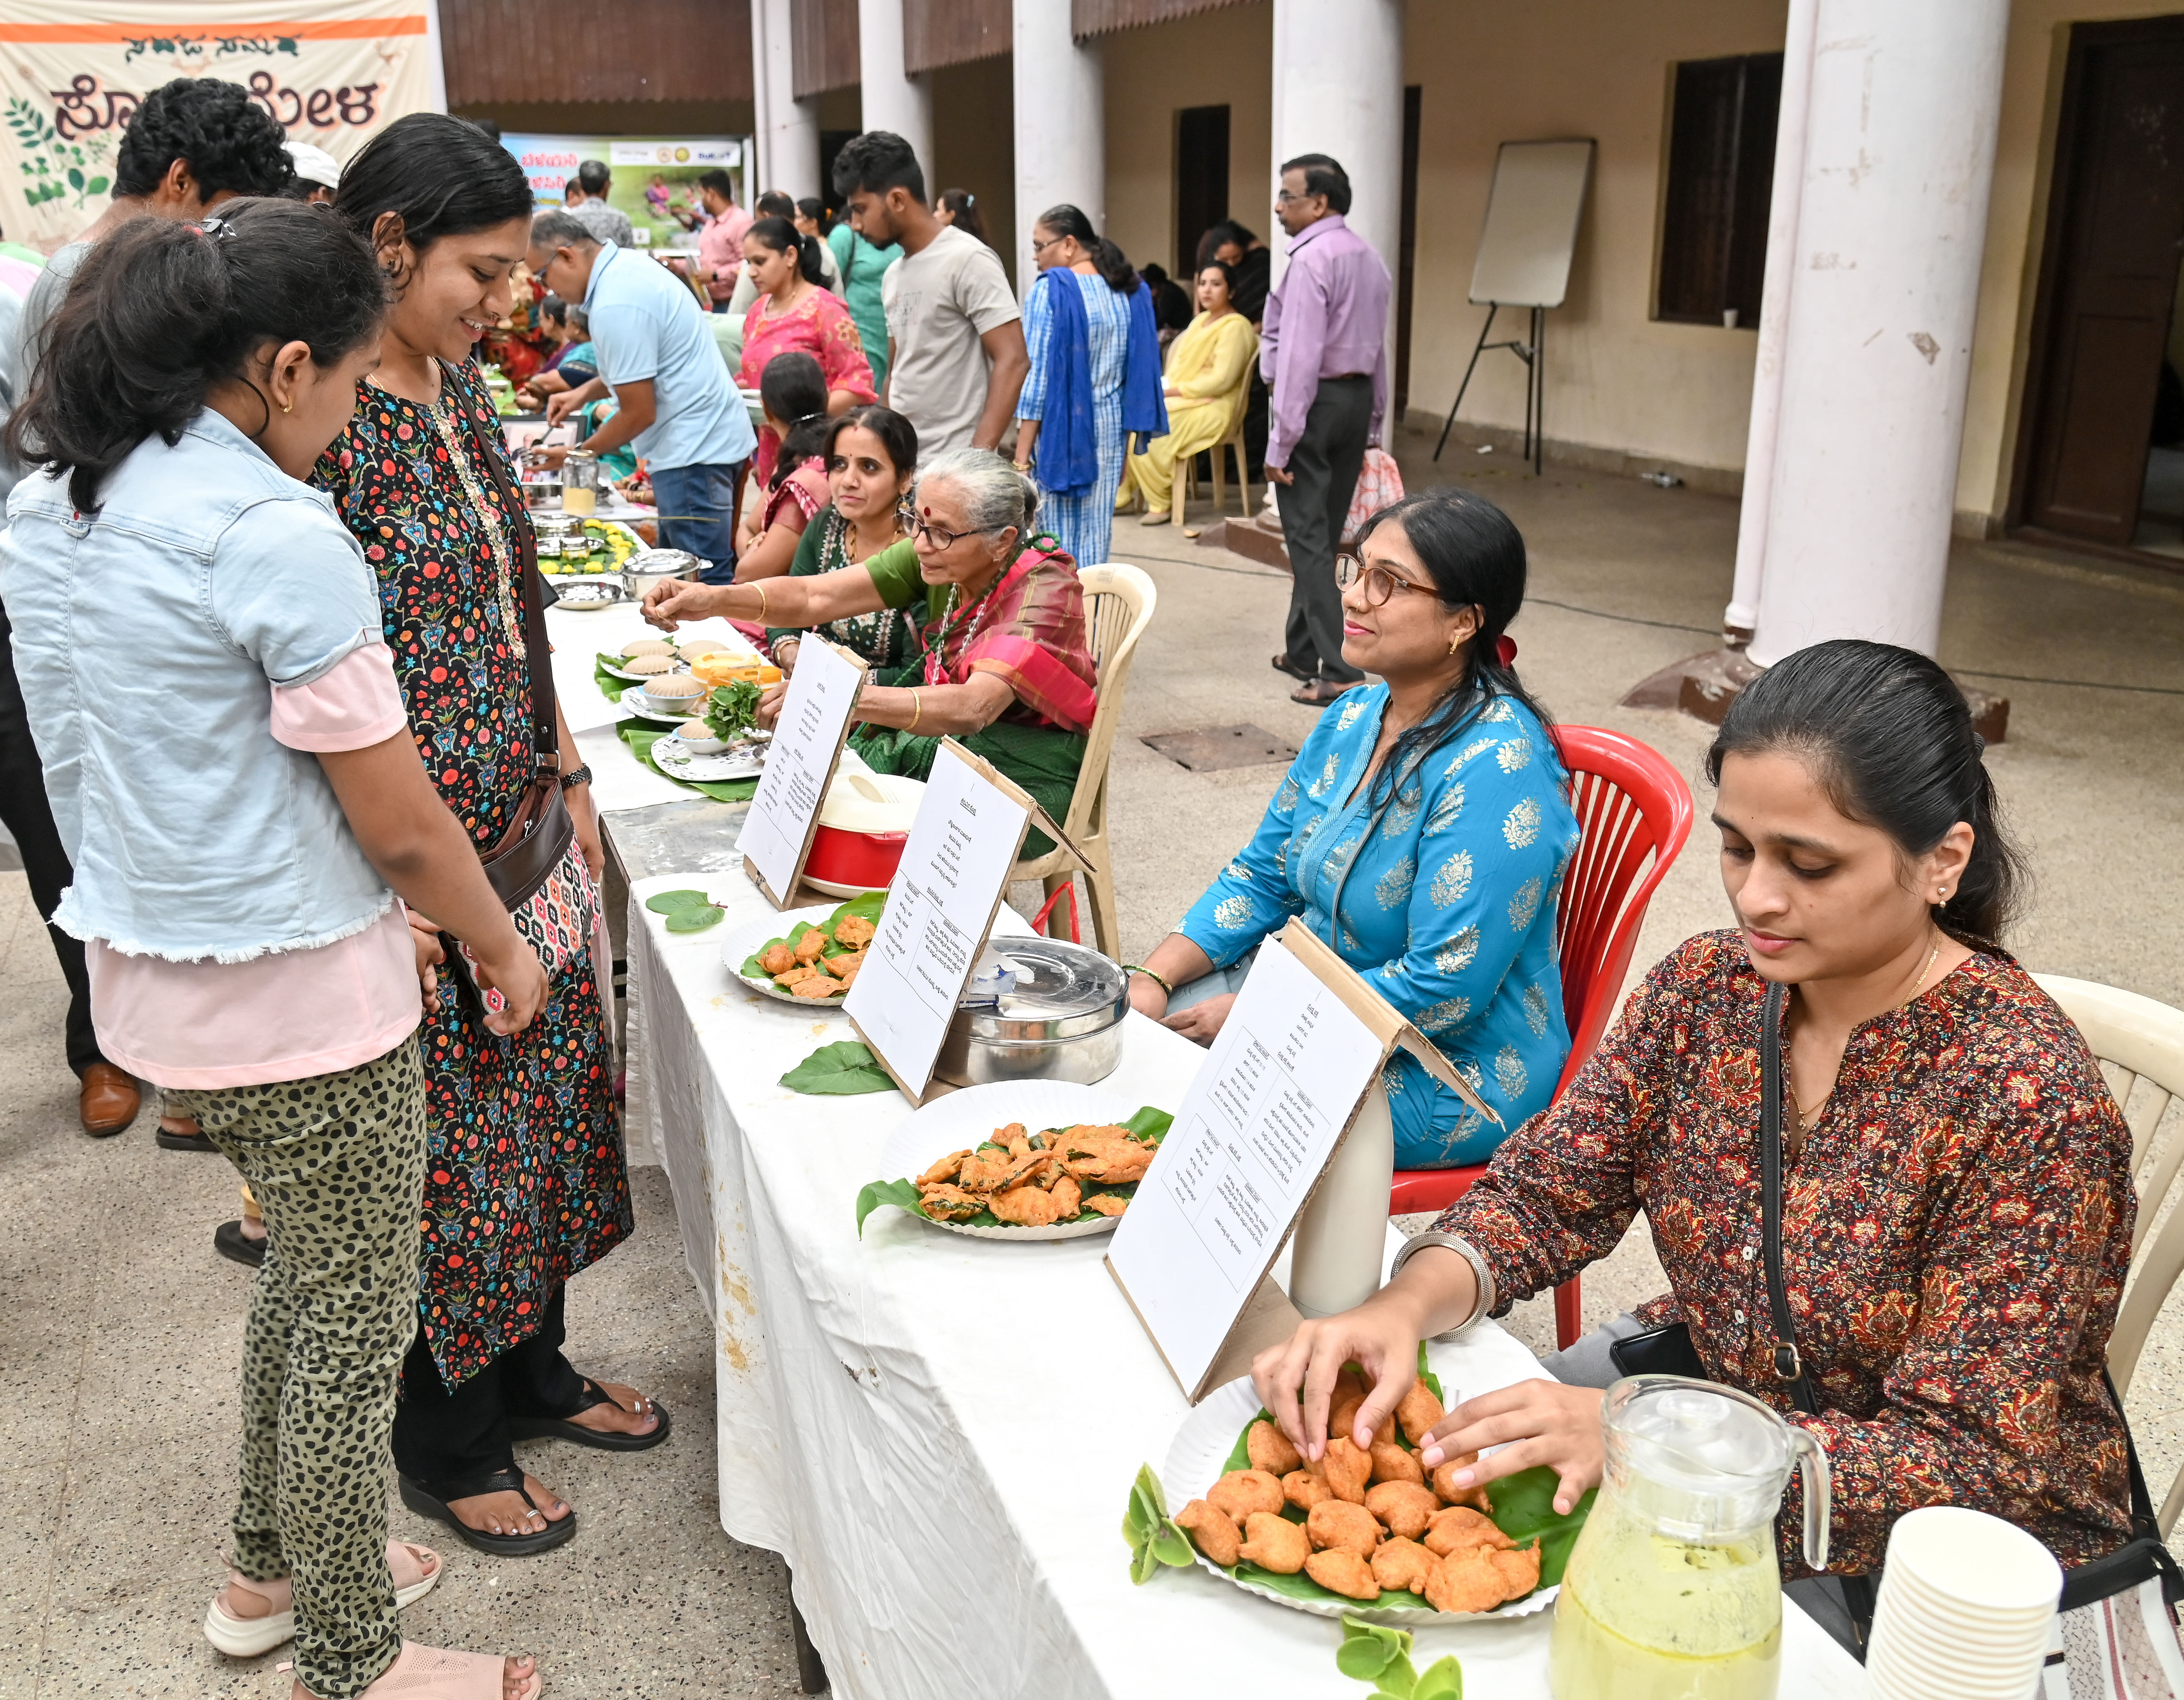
1000, 661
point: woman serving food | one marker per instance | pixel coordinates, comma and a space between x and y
1001, 662
1957, 1203
1421, 831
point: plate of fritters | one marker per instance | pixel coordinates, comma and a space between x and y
803, 956
1373, 1535
1022, 1160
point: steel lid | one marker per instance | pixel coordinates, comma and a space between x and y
1053, 990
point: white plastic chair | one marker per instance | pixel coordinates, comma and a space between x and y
1118, 605
2140, 1044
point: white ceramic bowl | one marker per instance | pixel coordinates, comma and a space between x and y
696, 737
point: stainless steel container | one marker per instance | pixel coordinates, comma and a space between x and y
651, 566
1061, 1018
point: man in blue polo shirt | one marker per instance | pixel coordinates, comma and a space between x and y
676, 406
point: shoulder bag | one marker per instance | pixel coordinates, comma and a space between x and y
2125, 1598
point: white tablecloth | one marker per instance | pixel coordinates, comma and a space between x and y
940, 1433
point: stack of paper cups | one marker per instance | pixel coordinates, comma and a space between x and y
1967, 1605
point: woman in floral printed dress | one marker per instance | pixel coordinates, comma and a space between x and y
526, 1185
1957, 1206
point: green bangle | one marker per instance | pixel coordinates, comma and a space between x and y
1140, 968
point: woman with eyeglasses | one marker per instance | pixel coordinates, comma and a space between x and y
999, 654
1423, 833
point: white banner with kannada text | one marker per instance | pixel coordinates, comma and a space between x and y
330, 72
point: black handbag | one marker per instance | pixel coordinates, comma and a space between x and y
1669, 1352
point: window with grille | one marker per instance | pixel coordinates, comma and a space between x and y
1720, 178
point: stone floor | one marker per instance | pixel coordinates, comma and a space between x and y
119, 1332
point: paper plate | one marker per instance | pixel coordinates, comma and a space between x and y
677, 759
957, 1119
747, 938
1198, 1458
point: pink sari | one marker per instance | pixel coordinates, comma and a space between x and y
1028, 630
819, 326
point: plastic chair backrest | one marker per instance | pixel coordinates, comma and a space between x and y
1119, 601
1635, 812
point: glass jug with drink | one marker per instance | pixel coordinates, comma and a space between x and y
1673, 1591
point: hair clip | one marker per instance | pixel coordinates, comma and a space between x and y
217, 228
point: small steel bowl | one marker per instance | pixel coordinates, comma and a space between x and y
655, 567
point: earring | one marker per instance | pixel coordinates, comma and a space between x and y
1456, 644
287, 407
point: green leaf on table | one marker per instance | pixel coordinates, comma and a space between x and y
1431, 1381
610, 687
669, 902
901, 1194
843, 1068
1150, 1125
1154, 1539
867, 904
1442, 1680
753, 969
693, 920
1368, 1650
1524, 1510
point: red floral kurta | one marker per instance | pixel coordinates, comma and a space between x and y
1955, 1236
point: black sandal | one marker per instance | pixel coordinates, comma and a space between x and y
168, 1140
230, 1241
432, 1499
1295, 670
562, 1428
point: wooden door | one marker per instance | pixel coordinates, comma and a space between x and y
2108, 279
1201, 182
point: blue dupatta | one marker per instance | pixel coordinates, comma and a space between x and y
1068, 435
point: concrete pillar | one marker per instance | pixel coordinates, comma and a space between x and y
1061, 123
787, 128
1898, 160
892, 99
1339, 91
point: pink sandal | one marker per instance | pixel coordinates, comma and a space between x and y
263, 1630
436, 1673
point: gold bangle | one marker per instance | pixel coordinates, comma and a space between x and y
760, 588
917, 711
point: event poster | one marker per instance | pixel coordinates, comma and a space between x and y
331, 72
655, 177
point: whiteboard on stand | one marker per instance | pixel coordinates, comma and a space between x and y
1532, 214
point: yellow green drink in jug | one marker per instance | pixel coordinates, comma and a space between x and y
1673, 1591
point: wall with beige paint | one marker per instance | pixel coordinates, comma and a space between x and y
974, 144
1214, 59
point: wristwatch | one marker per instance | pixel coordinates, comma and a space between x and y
576, 775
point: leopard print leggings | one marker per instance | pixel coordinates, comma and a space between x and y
338, 1164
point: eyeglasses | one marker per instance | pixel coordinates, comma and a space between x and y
1042, 246
942, 541
1380, 583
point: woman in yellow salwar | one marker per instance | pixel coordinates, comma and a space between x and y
1205, 369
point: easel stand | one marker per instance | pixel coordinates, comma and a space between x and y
1533, 354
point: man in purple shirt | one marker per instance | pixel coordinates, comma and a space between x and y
1323, 348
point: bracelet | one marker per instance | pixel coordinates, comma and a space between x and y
1464, 1249
1140, 968
576, 775
916, 712
1023, 466
760, 588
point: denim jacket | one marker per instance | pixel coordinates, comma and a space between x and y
147, 636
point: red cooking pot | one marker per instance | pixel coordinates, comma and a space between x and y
863, 826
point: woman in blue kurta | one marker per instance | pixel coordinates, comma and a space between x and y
1422, 832
1094, 380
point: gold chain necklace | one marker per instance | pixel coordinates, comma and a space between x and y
441, 413
1807, 1117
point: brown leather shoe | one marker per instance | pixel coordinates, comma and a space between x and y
107, 1102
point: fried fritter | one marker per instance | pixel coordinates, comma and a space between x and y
1406, 1507
1032, 1169
844, 966
1346, 1470
1106, 1203
1465, 1582
1211, 1531
1274, 1543
811, 944
1108, 1155
1270, 1449
818, 988
1392, 1463
1444, 1483
1243, 1491
1519, 1570
1400, 1564
1027, 1206
946, 1169
1305, 1488
1459, 1528
1015, 1137
1342, 1412
778, 959
985, 1170
1337, 1523
1418, 1412
1343, 1572
949, 1203
854, 931
794, 975
1068, 1198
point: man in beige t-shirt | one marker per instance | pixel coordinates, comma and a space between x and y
956, 359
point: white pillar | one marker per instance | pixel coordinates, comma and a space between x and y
893, 99
1339, 91
1059, 89
787, 128
1899, 158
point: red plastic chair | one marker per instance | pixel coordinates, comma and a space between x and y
1635, 812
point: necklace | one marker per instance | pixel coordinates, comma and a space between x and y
441, 414
1807, 1117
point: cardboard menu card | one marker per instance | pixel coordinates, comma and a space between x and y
799, 765
954, 873
1269, 1107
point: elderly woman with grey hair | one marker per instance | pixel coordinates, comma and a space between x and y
1002, 663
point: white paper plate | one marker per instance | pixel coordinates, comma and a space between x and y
747, 938
957, 1119
677, 758
1198, 1458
